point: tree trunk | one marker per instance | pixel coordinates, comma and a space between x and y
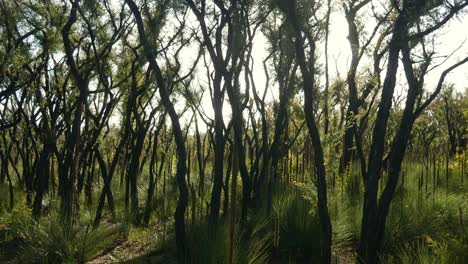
218, 150
179, 216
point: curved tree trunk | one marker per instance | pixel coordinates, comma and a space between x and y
182, 250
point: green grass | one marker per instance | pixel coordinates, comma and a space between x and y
210, 244
422, 227
299, 235
49, 241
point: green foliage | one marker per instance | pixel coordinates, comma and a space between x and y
430, 252
48, 241
299, 225
411, 227
422, 227
300, 231
210, 244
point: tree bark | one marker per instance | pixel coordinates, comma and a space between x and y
179, 216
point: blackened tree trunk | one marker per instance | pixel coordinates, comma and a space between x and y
228, 67
219, 146
367, 247
42, 178
375, 211
70, 164
152, 172
355, 100
179, 216
106, 192
307, 68
325, 223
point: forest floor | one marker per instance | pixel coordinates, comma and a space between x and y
122, 251
139, 246
129, 252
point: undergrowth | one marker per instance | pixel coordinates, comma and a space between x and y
50, 241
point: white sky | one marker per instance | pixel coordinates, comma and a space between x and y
450, 37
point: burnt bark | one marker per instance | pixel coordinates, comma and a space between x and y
179, 215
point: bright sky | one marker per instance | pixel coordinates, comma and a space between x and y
451, 37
